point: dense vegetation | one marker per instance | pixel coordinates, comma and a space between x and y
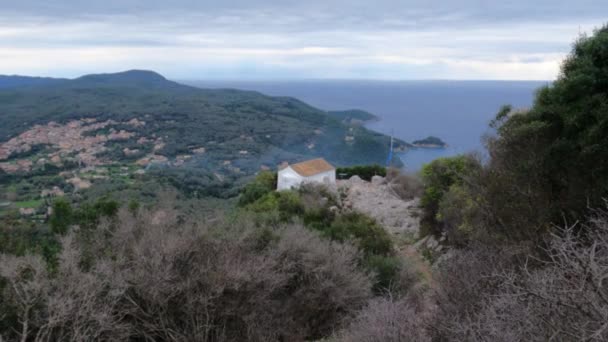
198, 281
225, 122
546, 165
286, 266
365, 172
528, 225
321, 210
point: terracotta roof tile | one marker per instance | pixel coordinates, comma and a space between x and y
312, 167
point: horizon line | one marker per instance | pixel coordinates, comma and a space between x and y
283, 79
351, 80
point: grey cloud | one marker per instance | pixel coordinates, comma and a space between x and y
345, 38
325, 14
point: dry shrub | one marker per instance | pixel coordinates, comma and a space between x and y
406, 186
465, 279
25, 290
386, 320
406, 279
157, 277
561, 295
83, 305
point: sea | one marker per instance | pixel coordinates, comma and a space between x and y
458, 112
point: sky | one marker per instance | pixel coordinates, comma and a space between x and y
305, 39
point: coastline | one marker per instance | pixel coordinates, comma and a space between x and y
413, 156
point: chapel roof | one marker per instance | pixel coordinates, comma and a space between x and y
312, 167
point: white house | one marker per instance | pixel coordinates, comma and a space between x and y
310, 171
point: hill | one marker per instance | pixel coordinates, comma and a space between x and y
351, 115
13, 81
114, 127
225, 122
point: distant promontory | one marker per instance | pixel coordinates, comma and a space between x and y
353, 116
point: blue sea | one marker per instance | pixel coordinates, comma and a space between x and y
458, 112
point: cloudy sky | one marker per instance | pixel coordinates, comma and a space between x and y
285, 39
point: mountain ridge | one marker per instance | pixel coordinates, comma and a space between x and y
246, 127
13, 81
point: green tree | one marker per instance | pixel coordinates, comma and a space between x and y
263, 183
61, 217
439, 176
88, 215
550, 163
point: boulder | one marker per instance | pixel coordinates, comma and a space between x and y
355, 179
377, 180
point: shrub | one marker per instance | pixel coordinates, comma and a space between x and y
386, 269
287, 204
22, 239
514, 294
311, 204
263, 183
363, 230
366, 172
438, 177
406, 186
62, 216
465, 280
386, 320
175, 280
317, 201
88, 215
459, 215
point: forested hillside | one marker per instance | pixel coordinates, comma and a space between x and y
128, 133
228, 120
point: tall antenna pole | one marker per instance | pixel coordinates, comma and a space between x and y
389, 159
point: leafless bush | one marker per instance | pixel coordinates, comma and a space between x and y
83, 305
560, 295
224, 288
26, 290
328, 277
407, 278
567, 298
406, 186
464, 282
386, 320
148, 278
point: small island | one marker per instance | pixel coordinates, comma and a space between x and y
430, 142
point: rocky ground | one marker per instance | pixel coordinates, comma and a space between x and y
376, 199
399, 217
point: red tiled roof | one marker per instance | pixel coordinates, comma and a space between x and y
312, 167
